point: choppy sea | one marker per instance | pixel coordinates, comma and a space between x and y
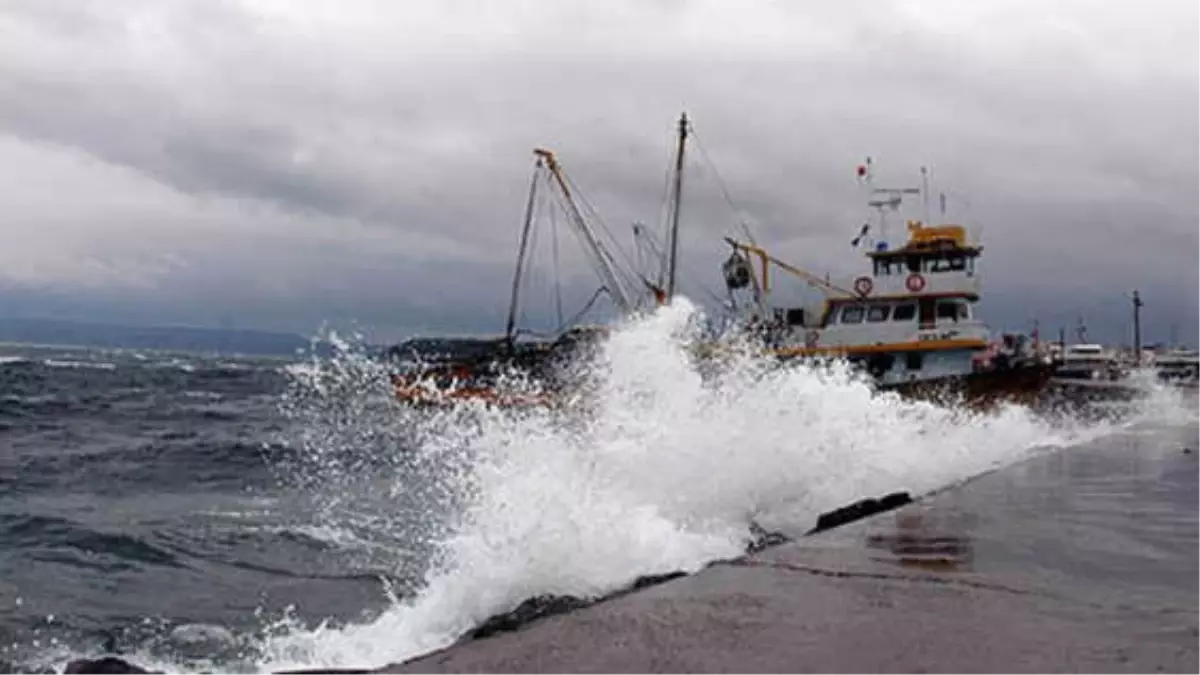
219, 513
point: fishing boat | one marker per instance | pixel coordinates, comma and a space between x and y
909, 321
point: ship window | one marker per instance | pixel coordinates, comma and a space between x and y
878, 313
964, 311
971, 266
947, 310
795, 317
948, 263
914, 360
852, 314
927, 312
904, 312
914, 263
886, 265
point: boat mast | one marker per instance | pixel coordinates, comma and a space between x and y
516, 285
925, 192
675, 207
1137, 327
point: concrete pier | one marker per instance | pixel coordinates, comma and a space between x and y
902, 591
797, 609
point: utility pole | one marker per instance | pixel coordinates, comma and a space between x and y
1137, 327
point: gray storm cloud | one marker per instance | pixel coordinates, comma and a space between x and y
279, 164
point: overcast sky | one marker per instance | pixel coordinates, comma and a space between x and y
278, 164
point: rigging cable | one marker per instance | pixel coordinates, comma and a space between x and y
557, 273
600, 262
613, 263
664, 212
575, 318
528, 274
724, 188
685, 271
586, 308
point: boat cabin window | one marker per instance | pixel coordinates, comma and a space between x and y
794, 316
952, 310
888, 266
852, 314
927, 312
952, 262
904, 312
878, 313
926, 262
947, 311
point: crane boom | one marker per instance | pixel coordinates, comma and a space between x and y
602, 257
791, 269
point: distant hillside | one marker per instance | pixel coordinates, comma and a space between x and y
61, 332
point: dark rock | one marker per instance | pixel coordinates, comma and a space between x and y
103, 666
655, 579
859, 510
543, 606
530, 610
328, 671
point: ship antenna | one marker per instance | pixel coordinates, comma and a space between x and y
925, 192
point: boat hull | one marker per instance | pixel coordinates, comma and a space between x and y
1020, 385
1024, 385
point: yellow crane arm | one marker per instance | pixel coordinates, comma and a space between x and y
767, 258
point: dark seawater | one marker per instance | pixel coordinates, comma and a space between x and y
143, 491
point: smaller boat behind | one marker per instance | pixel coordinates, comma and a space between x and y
1179, 366
1088, 361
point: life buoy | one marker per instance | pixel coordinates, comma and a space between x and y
810, 338
863, 286
915, 283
